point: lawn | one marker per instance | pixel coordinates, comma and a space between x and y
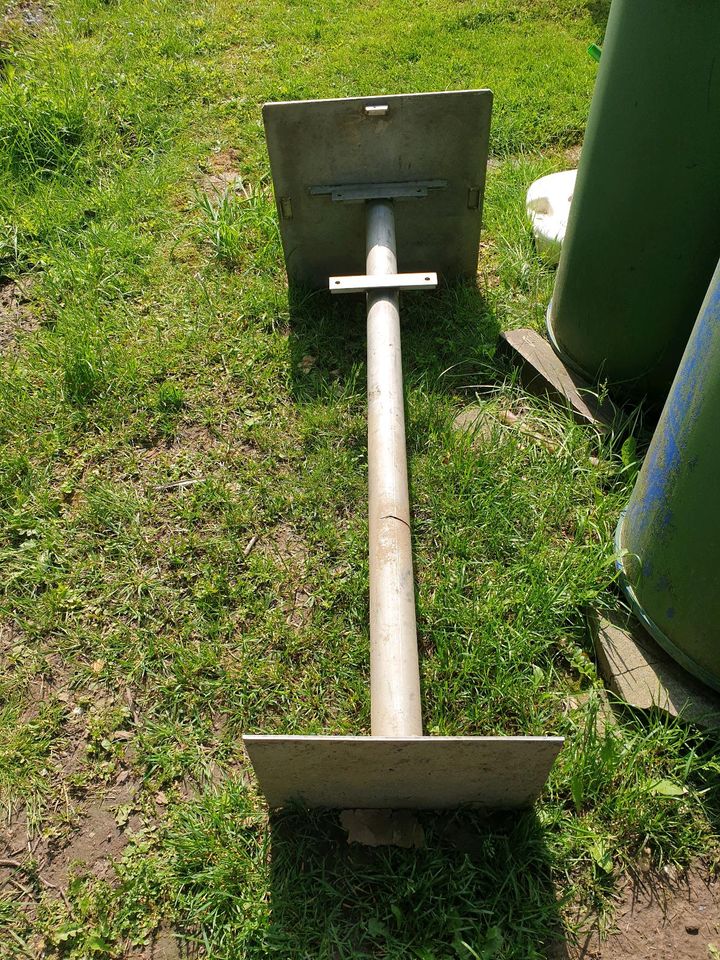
183, 505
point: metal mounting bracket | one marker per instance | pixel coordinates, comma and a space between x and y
387, 281
359, 192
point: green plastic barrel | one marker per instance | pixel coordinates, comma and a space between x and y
643, 235
669, 537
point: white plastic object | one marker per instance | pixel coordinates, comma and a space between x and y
548, 207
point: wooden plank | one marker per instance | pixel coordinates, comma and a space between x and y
642, 674
413, 773
543, 373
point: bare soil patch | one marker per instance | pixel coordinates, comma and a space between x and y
27, 14
97, 842
172, 464
33, 865
165, 945
660, 919
16, 317
83, 828
286, 547
191, 447
572, 155
221, 174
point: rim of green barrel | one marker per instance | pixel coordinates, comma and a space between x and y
565, 357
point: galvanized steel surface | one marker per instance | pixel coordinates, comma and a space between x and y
396, 772
427, 280
439, 139
394, 672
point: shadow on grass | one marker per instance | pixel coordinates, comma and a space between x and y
440, 330
480, 888
599, 11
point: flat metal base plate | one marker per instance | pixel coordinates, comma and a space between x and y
415, 772
420, 137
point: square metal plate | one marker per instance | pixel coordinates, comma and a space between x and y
421, 137
432, 773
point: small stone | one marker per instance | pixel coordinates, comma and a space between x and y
692, 929
508, 417
380, 828
307, 363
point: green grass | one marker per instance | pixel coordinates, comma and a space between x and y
175, 404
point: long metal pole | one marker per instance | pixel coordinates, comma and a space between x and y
394, 671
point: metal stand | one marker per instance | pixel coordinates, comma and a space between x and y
397, 766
